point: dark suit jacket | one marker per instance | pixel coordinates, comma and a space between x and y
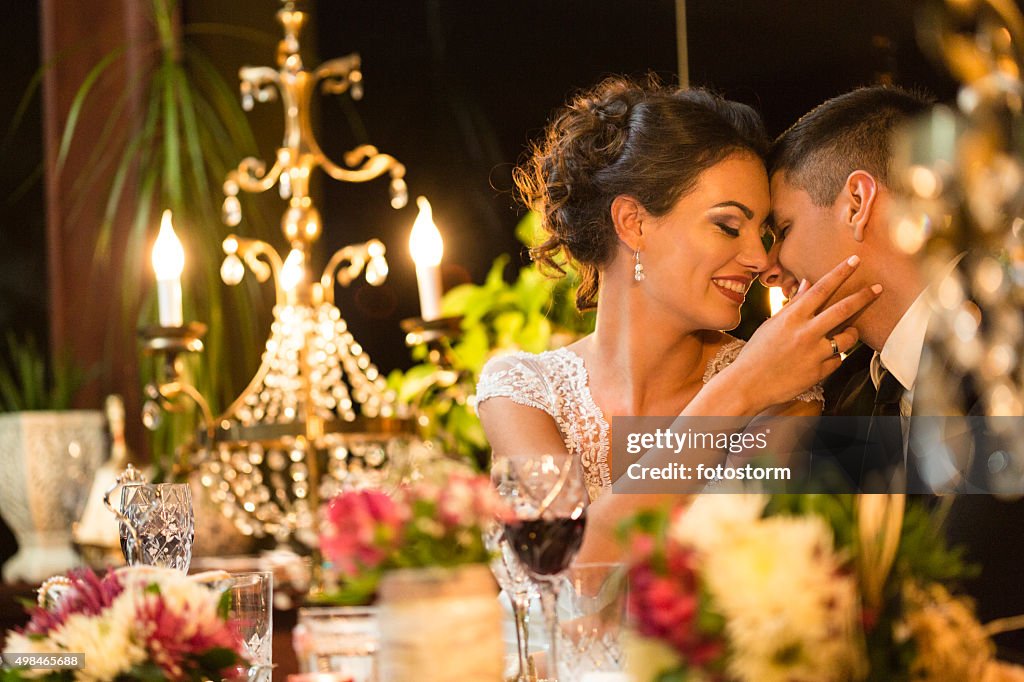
990, 530
848, 452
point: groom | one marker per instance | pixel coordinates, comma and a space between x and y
832, 191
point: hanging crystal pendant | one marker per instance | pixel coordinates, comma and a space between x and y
285, 185
399, 193
376, 271
152, 415
231, 211
232, 270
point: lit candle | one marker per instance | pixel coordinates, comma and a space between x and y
426, 248
168, 262
776, 300
293, 272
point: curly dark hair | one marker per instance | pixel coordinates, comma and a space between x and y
624, 137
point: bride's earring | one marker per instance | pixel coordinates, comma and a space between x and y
638, 268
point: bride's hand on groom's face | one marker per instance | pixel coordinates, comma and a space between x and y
796, 349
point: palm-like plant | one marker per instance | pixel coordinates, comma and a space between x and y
187, 132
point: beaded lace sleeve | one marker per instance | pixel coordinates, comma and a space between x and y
519, 378
731, 350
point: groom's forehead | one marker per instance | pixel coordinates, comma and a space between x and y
786, 198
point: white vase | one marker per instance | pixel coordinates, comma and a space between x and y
440, 625
47, 462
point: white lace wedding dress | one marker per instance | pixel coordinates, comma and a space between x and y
556, 382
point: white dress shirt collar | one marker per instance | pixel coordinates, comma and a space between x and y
901, 354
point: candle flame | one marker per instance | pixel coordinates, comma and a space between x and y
168, 253
776, 299
293, 271
425, 243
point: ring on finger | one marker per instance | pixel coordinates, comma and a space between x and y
835, 346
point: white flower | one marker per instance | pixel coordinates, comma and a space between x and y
712, 519
21, 644
647, 658
106, 640
791, 614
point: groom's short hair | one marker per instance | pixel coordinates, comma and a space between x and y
846, 133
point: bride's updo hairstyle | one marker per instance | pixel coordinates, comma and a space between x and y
624, 138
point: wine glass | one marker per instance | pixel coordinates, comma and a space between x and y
511, 576
547, 501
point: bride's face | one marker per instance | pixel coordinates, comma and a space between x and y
701, 257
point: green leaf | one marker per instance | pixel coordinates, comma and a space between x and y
455, 300
79, 101
224, 605
217, 659
528, 231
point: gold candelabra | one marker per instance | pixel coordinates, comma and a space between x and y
318, 415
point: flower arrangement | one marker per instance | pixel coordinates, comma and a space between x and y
367, 532
794, 588
131, 624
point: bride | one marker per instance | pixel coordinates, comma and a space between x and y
660, 200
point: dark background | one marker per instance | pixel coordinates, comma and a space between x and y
455, 89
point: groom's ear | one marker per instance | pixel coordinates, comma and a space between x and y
628, 218
859, 195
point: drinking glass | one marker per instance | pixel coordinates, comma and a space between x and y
250, 614
547, 500
592, 608
516, 584
338, 639
157, 525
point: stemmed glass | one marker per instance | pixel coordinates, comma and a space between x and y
511, 575
547, 501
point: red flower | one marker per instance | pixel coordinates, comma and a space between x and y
362, 528
665, 602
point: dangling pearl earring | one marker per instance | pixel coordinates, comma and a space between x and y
638, 269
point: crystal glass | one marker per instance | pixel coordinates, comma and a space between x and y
157, 525
250, 614
516, 584
591, 608
338, 639
548, 501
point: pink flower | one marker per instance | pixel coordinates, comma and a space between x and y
362, 528
88, 594
468, 501
171, 637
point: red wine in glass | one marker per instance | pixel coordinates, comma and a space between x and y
546, 546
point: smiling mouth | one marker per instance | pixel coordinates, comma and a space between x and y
731, 288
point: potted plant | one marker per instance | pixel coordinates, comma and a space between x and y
48, 455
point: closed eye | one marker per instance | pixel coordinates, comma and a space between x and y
728, 229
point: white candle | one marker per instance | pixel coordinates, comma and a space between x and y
426, 247
168, 263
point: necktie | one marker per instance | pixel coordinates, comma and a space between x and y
883, 456
887, 399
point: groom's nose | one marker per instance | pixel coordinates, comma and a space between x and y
774, 275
